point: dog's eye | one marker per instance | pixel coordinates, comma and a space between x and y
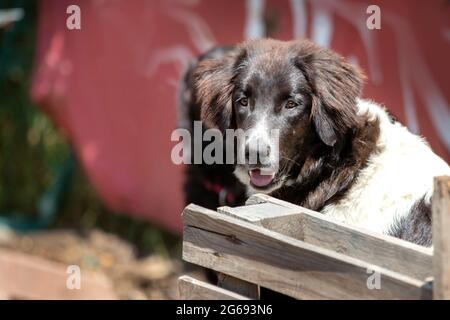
243, 102
291, 104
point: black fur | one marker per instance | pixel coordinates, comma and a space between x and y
324, 144
198, 176
416, 226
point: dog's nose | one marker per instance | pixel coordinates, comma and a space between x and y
257, 152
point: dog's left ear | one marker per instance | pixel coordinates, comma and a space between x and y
335, 85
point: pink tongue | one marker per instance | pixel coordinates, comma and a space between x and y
261, 179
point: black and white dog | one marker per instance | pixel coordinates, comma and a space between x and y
336, 153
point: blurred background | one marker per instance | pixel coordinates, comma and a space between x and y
86, 117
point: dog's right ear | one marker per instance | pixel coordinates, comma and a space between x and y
213, 90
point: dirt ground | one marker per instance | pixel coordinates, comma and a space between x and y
151, 277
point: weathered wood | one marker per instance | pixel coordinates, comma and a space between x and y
441, 237
382, 250
193, 289
239, 286
24, 276
271, 216
284, 264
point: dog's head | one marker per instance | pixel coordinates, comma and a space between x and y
306, 93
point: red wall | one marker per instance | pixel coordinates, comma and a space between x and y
111, 86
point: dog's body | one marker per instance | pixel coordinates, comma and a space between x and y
338, 154
392, 193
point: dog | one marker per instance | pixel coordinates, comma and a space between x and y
211, 185
336, 153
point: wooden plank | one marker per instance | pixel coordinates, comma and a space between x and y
257, 213
239, 286
193, 289
382, 250
441, 237
271, 216
24, 276
284, 264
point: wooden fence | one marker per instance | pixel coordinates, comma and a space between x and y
303, 254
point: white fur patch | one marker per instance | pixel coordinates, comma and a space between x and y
393, 180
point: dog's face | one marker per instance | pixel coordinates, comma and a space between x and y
287, 97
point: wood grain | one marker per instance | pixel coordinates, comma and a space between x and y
378, 249
441, 238
239, 286
193, 289
295, 268
271, 216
